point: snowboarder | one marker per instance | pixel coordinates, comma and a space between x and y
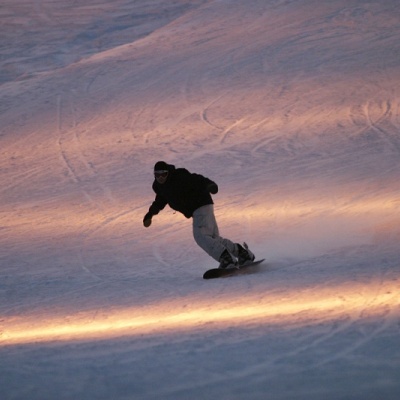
190, 194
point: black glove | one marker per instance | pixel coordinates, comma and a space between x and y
212, 188
147, 220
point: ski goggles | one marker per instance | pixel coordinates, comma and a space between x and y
161, 173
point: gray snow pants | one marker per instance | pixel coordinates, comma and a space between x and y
206, 234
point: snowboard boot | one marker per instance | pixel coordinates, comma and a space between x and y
245, 255
226, 260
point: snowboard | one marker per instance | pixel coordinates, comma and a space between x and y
220, 273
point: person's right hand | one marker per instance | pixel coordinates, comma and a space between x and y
147, 220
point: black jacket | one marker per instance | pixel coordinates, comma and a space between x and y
183, 191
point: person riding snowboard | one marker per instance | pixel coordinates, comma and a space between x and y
190, 194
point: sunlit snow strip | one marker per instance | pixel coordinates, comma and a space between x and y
299, 311
68, 217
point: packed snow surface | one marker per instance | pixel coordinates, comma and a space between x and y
292, 107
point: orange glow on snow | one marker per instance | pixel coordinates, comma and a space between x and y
65, 219
317, 306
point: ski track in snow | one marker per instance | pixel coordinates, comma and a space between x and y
291, 107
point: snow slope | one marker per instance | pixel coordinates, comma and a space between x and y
292, 107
